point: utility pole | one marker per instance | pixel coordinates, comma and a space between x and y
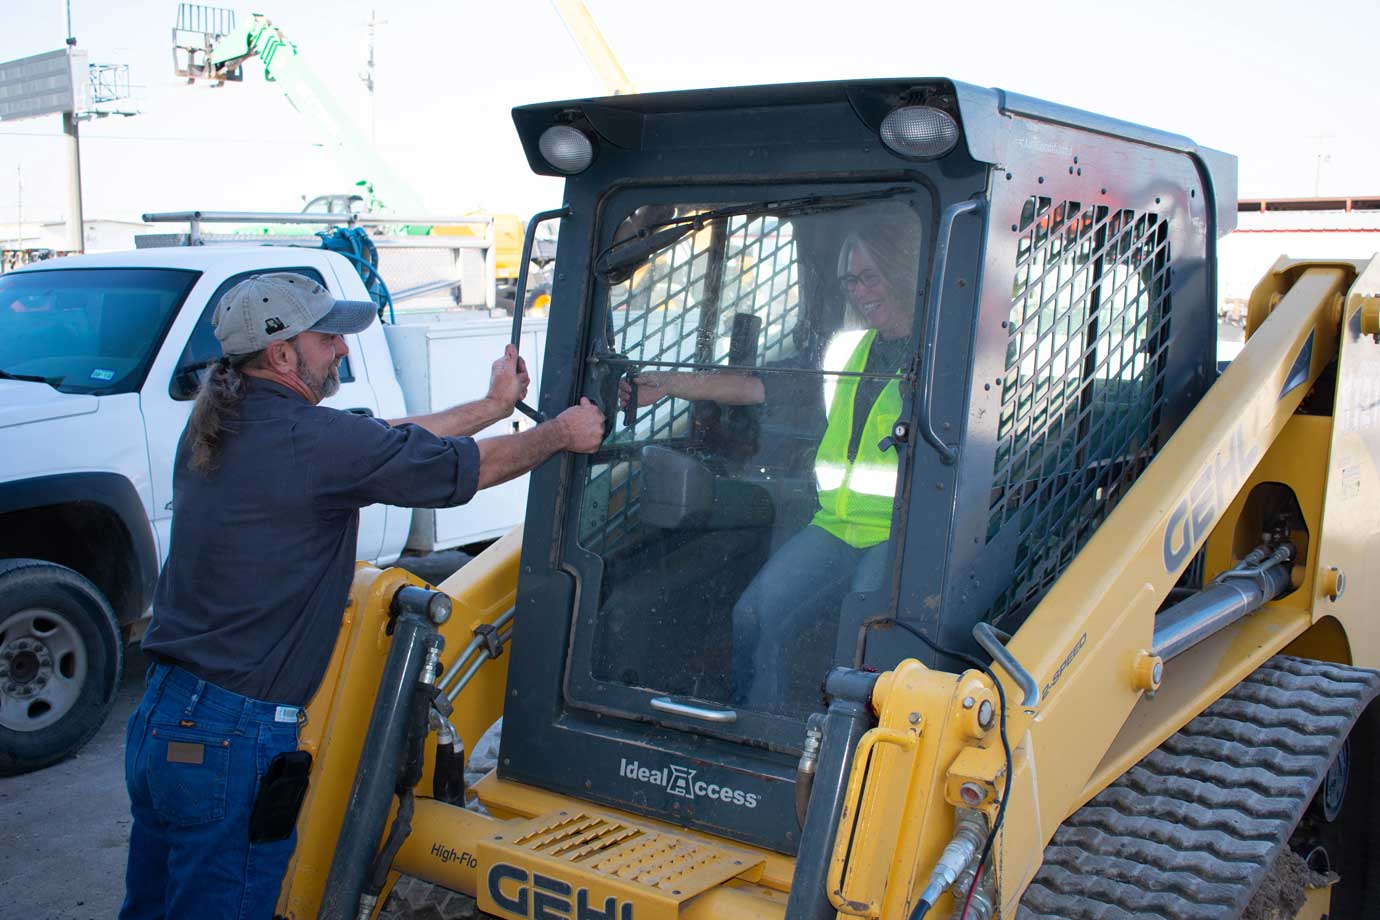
76, 220
1321, 157
368, 76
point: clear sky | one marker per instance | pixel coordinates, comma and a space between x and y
1278, 84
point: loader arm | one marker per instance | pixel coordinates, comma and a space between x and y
1089, 644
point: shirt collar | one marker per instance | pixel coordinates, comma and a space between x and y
265, 387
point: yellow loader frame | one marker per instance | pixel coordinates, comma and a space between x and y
1105, 700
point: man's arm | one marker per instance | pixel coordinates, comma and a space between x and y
579, 429
458, 421
508, 382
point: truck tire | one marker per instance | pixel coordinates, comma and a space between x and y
61, 660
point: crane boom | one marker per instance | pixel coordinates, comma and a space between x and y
592, 45
308, 94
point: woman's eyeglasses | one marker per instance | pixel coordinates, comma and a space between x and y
869, 278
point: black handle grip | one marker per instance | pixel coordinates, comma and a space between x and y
630, 410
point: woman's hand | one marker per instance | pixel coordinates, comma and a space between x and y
651, 386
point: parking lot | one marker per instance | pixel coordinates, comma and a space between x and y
67, 827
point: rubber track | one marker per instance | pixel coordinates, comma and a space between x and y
1187, 833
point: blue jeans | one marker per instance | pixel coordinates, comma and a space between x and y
785, 623
194, 754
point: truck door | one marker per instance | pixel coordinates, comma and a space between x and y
167, 402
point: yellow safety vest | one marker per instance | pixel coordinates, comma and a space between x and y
855, 497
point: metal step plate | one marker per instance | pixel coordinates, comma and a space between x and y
581, 863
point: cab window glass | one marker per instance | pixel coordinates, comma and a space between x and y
742, 494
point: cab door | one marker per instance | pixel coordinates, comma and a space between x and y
705, 599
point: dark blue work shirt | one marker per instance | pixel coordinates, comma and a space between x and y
263, 548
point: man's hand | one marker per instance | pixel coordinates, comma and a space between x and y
582, 427
508, 380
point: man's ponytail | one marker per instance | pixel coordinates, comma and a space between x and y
217, 403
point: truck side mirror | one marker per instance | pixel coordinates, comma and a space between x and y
186, 380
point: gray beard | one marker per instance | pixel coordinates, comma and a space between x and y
322, 387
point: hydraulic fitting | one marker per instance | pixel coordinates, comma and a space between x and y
970, 830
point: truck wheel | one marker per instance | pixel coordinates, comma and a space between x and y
61, 659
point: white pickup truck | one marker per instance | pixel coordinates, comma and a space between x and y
99, 362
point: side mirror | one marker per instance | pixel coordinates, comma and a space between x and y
186, 380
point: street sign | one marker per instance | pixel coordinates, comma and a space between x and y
43, 84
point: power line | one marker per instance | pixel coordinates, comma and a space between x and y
141, 137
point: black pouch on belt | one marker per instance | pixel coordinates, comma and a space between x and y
280, 797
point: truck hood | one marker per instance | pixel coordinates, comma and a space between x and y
22, 402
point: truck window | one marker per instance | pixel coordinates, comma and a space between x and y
203, 348
88, 330
705, 503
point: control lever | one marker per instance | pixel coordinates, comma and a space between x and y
528, 411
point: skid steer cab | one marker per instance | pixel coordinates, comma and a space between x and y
928, 567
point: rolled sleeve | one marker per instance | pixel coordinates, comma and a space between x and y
467, 477
359, 461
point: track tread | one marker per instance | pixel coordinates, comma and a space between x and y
1186, 833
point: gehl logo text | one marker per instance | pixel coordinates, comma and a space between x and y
1216, 484
541, 897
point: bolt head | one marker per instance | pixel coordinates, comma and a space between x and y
986, 715
972, 794
439, 608
969, 702
914, 718
1334, 583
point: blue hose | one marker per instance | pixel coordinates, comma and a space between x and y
354, 244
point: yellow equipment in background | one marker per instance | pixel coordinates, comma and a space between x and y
1118, 658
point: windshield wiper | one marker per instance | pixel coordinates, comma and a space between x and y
51, 381
615, 263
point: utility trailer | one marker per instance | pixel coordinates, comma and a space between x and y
1104, 649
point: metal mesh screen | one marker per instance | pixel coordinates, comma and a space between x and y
1084, 381
680, 309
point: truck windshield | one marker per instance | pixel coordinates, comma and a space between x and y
744, 502
88, 330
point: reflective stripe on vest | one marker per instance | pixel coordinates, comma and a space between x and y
855, 498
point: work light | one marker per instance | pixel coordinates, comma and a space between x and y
567, 149
919, 132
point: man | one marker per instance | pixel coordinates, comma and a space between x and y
266, 496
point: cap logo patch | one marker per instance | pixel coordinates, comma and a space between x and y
273, 325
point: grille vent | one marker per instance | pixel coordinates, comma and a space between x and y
1083, 387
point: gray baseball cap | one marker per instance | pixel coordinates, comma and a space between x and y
276, 306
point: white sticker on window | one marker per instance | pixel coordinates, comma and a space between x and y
101, 373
